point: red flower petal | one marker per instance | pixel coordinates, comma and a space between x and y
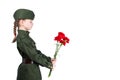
63, 42
61, 34
66, 39
62, 38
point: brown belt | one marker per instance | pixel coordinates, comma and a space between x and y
27, 61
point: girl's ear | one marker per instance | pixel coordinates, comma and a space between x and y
21, 22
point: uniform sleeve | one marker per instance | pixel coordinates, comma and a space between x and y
44, 56
28, 47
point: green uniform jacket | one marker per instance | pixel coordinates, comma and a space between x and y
27, 49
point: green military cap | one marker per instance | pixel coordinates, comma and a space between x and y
23, 14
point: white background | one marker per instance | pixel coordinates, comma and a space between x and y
93, 27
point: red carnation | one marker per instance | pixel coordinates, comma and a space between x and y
61, 40
60, 36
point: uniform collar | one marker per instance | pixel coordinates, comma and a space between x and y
23, 33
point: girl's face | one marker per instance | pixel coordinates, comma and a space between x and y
26, 24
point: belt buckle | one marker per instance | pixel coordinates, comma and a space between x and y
32, 62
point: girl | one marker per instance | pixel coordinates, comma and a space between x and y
31, 57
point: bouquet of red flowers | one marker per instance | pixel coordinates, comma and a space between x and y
61, 40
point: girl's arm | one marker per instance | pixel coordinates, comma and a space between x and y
28, 47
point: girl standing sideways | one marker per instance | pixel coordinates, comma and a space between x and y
31, 57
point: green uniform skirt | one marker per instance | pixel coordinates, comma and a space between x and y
28, 72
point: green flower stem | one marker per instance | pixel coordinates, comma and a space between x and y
58, 46
50, 73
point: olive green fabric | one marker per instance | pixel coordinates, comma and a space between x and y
27, 49
23, 14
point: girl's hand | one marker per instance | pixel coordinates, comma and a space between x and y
53, 62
